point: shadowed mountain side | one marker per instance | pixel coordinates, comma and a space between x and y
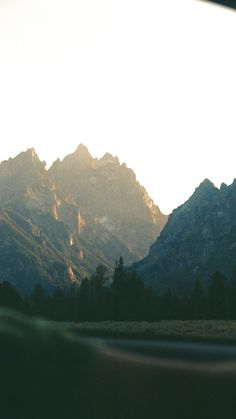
30, 255
199, 239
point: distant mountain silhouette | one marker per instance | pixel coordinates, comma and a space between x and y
56, 226
199, 239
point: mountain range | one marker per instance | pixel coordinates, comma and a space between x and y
58, 225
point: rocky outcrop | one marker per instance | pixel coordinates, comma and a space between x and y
57, 226
199, 239
110, 198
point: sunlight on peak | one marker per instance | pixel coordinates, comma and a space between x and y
150, 82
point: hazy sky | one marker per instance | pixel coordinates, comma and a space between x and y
151, 81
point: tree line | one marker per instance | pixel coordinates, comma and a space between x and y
124, 297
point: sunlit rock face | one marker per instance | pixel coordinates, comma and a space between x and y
111, 199
40, 229
199, 239
58, 225
25, 180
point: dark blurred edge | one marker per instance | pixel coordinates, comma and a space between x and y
227, 3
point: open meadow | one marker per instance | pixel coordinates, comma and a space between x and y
219, 329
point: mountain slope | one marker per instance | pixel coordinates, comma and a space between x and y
51, 235
109, 195
199, 239
27, 257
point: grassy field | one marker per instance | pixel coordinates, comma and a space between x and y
218, 329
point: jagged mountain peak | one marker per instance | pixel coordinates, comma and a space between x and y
82, 151
205, 189
233, 185
109, 159
223, 186
31, 151
198, 239
88, 210
206, 184
204, 192
29, 155
79, 160
25, 162
110, 193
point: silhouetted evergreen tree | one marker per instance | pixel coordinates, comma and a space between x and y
39, 301
85, 300
9, 297
232, 296
118, 290
119, 275
125, 298
167, 305
134, 297
100, 293
197, 302
218, 297
59, 306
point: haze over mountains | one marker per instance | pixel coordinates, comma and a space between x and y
57, 225
109, 194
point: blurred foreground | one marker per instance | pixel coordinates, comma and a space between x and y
48, 371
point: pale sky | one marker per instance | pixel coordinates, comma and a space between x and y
151, 81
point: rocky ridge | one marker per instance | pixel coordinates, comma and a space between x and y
56, 226
199, 239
